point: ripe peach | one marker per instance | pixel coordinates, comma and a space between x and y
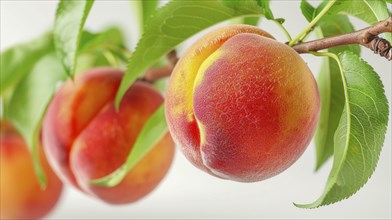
241, 105
21, 195
85, 138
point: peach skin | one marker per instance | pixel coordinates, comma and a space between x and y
85, 138
21, 195
241, 105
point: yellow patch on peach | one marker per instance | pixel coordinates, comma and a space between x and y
202, 131
204, 66
188, 68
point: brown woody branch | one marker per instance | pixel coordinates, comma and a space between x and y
154, 74
367, 37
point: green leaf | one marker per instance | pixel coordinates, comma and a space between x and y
70, 18
265, 4
107, 39
331, 88
175, 22
152, 132
105, 48
370, 11
254, 21
30, 100
91, 60
360, 133
307, 10
332, 102
143, 9
17, 61
149, 8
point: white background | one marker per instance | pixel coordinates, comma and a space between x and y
187, 192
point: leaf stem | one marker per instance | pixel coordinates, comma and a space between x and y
284, 30
39, 172
110, 58
312, 23
2, 109
367, 37
122, 50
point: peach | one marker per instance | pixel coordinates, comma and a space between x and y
85, 138
21, 195
241, 105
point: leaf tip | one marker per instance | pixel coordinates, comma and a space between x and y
306, 206
298, 205
105, 181
319, 164
112, 179
42, 181
117, 101
40, 174
280, 20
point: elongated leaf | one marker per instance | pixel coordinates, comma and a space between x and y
153, 131
370, 11
70, 18
148, 7
109, 38
361, 131
331, 88
307, 10
254, 21
265, 4
142, 11
94, 49
174, 23
17, 61
332, 102
30, 100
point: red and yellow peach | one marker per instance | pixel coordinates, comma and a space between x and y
241, 105
21, 195
85, 138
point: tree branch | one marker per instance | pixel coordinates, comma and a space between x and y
367, 37
154, 74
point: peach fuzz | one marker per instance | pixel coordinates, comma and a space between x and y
21, 195
241, 105
85, 138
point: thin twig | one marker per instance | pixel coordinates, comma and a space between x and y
367, 37
312, 23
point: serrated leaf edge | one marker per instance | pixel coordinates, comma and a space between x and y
319, 202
